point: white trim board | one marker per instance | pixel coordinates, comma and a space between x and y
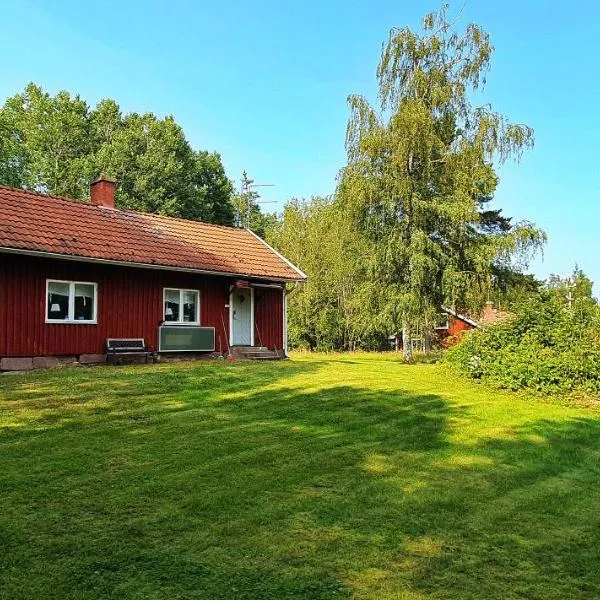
105, 261
252, 319
283, 258
285, 326
459, 316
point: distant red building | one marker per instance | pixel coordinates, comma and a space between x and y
74, 273
455, 324
451, 326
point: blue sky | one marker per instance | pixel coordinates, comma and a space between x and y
265, 84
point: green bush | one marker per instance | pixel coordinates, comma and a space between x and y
547, 346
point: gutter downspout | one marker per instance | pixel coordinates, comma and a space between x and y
285, 328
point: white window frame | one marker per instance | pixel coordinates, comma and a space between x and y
181, 292
446, 325
71, 313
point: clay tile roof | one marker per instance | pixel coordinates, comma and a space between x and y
77, 229
491, 318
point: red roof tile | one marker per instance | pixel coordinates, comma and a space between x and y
77, 229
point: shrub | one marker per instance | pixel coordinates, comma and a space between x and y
546, 346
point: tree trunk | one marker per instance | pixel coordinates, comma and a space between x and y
406, 342
427, 341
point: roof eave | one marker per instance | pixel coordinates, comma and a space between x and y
139, 265
459, 316
289, 263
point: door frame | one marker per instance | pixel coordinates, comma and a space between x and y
251, 316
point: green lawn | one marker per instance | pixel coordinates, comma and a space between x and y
319, 477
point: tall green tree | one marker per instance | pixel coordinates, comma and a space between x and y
327, 312
12, 156
48, 136
245, 202
421, 168
57, 144
211, 180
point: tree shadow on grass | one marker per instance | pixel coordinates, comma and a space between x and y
216, 484
255, 490
514, 517
79, 397
381, 492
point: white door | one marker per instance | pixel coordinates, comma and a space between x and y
242, 316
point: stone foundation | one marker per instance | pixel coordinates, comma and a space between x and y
92, 359
19, 364
16, 364
45, 362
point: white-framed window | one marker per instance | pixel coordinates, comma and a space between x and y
74, 302
441, 321
181, 307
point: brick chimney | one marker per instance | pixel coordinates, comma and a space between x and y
490, 313
102, 191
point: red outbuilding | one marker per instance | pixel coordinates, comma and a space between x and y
74, 274
450, 326
453, 324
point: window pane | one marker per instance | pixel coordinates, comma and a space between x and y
441, 321
190, 307
58, 300
171, 305
84, 302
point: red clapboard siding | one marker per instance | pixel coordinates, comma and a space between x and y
129, 305
455, 326
268, 317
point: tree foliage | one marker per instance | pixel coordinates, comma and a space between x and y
57, 144
550, 344
421, 172
412, 224
575, 289
326, 313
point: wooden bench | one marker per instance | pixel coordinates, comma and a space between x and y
119, 348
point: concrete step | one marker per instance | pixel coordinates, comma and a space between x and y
242, 349
254, 353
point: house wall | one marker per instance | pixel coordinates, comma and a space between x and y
455, 328
129, 305
268, 317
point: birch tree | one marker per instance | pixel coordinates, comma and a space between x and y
421, 170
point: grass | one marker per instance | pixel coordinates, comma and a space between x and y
319, 477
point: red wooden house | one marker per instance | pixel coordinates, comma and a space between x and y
450, 326
453, 324
75, 273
